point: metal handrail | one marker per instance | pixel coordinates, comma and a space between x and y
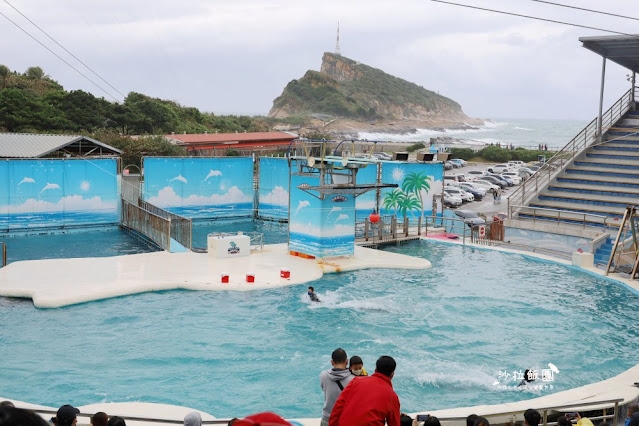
523, 209
545, 410
181, 227
4, 254
149, 224
562, 158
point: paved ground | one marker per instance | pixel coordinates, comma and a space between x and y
486, 206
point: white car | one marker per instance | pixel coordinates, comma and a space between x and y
458, 192
490, 187
516, 164
514, 176
451, 200
474, 187
499, 168
476, 174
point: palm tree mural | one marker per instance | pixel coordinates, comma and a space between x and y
391, 200
407, 203
416, 183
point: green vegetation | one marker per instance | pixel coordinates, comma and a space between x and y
498, 155
33, 102
414, 147
359, 97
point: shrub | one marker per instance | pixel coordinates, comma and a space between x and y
463, 153
495, 153
414, 147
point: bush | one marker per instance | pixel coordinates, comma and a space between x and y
495, 153
526, 155
463, 153
414, 147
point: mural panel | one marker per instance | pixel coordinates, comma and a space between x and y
200, 188
56, 193
366, 203
273, 194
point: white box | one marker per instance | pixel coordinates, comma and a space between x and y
226, 246
583, 260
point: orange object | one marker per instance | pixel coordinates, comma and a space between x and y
373, 217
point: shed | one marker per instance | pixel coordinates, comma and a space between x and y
31, 145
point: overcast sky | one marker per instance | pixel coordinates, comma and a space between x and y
236, 56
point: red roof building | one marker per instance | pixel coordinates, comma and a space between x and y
242, 143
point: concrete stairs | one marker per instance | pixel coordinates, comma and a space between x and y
602, 254
599, 184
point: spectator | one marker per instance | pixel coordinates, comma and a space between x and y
193, 419
369, 401
531, 417
470, 420
66, 416
270, 419
633, 416
564, 421
232, 421
116, 421
11, 416
357, 366
7, 404
481, 421
405, 420
432, 421
333, 381
99, 419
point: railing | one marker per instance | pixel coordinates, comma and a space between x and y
558, 162
388, 229
4, 254
257, 240
544, 411
152, 226
548, 214
181, 227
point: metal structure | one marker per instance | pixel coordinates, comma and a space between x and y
4, 253
147, 224
26, 145
181, 228
338, 51
625, 250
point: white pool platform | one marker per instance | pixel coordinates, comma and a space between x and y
54, 283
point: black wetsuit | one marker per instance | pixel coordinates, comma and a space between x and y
313, 297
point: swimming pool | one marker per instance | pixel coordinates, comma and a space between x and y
452, 329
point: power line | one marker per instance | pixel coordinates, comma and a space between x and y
59, 57
586, 10
64, 48
533, 17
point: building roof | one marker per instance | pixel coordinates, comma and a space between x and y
623, 50
28, 145
231, 137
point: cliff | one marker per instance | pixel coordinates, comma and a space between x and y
344, 88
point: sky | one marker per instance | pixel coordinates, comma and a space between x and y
236, 57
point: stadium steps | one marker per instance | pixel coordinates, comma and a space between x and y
602, 254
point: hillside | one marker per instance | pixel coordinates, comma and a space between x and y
344, 88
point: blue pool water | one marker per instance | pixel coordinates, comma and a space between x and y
452, 330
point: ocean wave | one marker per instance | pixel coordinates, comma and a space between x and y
523, 128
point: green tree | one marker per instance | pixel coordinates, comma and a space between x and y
5, 74
407, 203
416, 183
392, 199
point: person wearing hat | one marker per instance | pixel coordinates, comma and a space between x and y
66, 416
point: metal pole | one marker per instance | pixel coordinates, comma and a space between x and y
632, 91
601, 95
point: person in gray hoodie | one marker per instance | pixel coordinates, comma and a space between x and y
333, 381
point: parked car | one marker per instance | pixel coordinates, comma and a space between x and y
499, 168
474, 186
448, 165
451, 200
502, 179
489, 186
469, 217
478, 194
534, 168
381, 156
499, 182
514, 176
516, 164
476, 173
458, 160
458, 192
525, 173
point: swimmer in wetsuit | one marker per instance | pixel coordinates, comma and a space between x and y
312, 295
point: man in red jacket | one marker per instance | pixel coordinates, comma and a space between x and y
369, 401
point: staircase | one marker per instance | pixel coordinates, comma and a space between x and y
587, 183
602, 254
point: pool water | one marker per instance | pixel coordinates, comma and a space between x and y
452, 329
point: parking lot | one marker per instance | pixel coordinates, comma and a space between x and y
487, 206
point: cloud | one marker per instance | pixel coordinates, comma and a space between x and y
301, 205
212, 173
85, 185
278, 196
168, 198
180, 178
26, 180
310, 229
341, 217
49, 186
68, 203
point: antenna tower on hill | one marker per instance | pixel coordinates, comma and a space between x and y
338, 51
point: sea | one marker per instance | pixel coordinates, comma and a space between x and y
520, 132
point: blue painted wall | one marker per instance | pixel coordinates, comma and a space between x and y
366, 203
320, 228
56, 193
273, 193
200, 188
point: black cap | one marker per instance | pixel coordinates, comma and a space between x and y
66, 413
